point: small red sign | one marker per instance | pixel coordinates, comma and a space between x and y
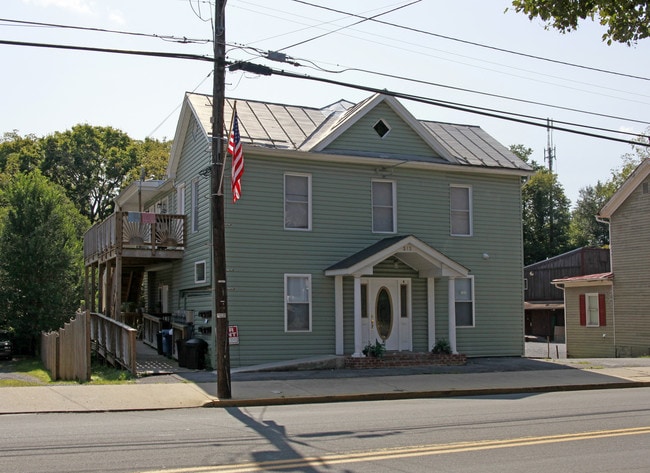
233, 335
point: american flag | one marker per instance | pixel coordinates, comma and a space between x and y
234, 148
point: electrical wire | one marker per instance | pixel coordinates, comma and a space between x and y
103, 30
494, 48
351, 25
465, 108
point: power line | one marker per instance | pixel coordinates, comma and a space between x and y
351, 25
258, 69
194, 57
494, 48
103, 30
451, 105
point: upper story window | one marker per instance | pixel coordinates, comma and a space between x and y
297, 201
464, 297
195, 206
200, 273
381, 128
383, 207
180, 199
460, 198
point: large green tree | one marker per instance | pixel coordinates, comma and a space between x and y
585, 230
91, 164
40, 258
627, 21
153, 157
545, 217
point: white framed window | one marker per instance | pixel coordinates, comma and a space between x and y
297, 302
195, 206
384, 215
592, 310
460, 210
180, 199
297, 202
464, 297
200, 272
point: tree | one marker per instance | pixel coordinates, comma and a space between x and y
19, 153
153, 156
627, 21
585, 230
91, 164
545, 217
40, 258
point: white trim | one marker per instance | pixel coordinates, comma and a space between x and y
338, 315
470, 210
286, 301
473, 301
393, 204
195, 190
431, 311
451, 322
309, 201
180, 198
358, 340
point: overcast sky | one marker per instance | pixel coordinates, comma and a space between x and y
459, 45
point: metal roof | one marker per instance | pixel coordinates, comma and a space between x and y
299, 128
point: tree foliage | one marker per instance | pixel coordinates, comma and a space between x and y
627, 21
545, 217
91, 164
40, 257
585, 230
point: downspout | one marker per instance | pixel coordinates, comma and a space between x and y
607, 222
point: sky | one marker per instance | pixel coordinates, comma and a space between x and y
470, 52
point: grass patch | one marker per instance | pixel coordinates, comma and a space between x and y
31, 372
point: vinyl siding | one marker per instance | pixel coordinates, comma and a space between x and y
260, 252
583, 341
629, 230
401, 139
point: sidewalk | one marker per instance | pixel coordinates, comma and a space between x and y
484, 376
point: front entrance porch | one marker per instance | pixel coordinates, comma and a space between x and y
382, 306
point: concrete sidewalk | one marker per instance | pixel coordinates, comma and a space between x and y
198, 388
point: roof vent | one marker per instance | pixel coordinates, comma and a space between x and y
382, 128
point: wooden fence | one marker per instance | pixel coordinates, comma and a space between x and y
114, 341
66, 352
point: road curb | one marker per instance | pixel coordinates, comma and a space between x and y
387, 396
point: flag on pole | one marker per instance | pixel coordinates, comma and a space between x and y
234, 148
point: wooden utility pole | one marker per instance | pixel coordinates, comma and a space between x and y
219, 286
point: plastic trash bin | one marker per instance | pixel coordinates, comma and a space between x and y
167, 342
195, 349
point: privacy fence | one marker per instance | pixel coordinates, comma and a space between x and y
66, 352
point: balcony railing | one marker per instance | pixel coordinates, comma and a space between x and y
137, 233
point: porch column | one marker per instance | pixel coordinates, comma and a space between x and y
452, 315
431, 312
358, 349
338, 314
101, 288
117, 314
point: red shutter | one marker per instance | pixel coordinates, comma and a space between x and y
583, 310
602, 312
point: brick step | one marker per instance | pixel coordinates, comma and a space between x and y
403, 360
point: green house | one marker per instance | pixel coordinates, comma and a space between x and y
357, 223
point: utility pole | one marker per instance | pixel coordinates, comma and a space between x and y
219, 286
549, 154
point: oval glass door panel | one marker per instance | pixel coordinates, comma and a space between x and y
384, 313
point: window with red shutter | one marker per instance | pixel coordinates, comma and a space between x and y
583, 310
602, 312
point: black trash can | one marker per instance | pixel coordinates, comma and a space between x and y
195, 349
180, 350
159, 342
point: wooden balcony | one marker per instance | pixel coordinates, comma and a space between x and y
135, 236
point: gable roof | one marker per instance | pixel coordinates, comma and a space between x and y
409, 249
309, 129
586, 280
631, 183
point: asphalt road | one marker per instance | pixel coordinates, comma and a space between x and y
594, 431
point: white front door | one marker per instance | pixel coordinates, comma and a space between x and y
384, 312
